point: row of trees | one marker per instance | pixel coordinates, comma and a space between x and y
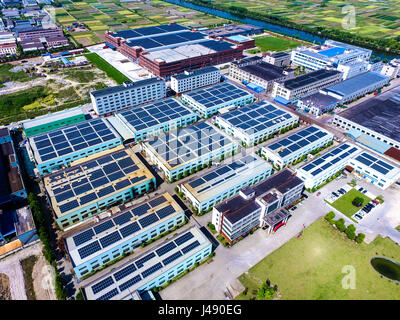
350, 230
44, 237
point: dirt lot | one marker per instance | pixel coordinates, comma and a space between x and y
5, 292
43, 280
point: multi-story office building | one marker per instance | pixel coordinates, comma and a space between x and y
93, 185
178, 153
323, 167
255, 122
123, 232
207, 101
150, 120
58, 148
225, 181
296, 145
373, 169
330, 54
52, 121
256, 70
152, 268
293, 89
129, 94
356, 87
260, 205
191, 80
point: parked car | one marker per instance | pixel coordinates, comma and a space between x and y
358, 217
360, 189
335, 194
305, 196
293, 208
365, 191
318, 193
341, 191
375, 201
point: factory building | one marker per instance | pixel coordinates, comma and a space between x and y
191, 80
113, 99
93, 185
177, 153
152, 268
150, 120
58, 148
296, 145
207, 101
101, 243
255, 122
225, 181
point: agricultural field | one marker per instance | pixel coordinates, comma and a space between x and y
314, 267
99, 16
375, 19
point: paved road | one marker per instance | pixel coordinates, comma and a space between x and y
210, 281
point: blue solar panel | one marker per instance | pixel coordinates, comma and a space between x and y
105, 191
103, 227
110, 239
123, 218
139, 263
157, 201
182, 239
69, 206
165, 249
196, 183
124, 272
148, 220
172, 258
363, 160
122, 184
166, 211
82, 189
96, 288
115, 176
129, 229
83, 237
379, 169
141, 210
64, 196
384, 164
130, 282
88, 198
89, 249
223, 170
190, 247
108, 295
152, 270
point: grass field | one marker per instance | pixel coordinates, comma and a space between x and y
310, 267
344, 205
270, 43
7, 75
102, 64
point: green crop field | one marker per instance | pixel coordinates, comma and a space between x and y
98, 16
312, 267
371, 18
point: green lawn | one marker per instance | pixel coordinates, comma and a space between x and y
7, 75
270, 43
102, 64
310, 267
344, 205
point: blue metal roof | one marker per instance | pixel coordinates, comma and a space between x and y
333, 51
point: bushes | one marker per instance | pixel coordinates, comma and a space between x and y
360, 238
350, 231
59, 286
357, 201
329, 216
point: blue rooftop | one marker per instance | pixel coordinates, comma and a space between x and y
333, 51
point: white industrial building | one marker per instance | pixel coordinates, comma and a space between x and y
129, 94
296, 145
191, 80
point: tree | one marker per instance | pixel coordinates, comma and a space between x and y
360, 238
329, 216
350, 231
340, 225
357, 201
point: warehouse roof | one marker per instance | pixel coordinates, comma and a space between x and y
309, 78
126, 279
51, 117
111, 232
189, 74
264, 70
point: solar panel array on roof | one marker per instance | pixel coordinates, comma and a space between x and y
309, 78
147, 31
220, 93
188, 143
126, 227
330, 158
147, 116
374, 163
71, 139
166, 40
96, 175
296, 141
221, 174
145, 266
256, 117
